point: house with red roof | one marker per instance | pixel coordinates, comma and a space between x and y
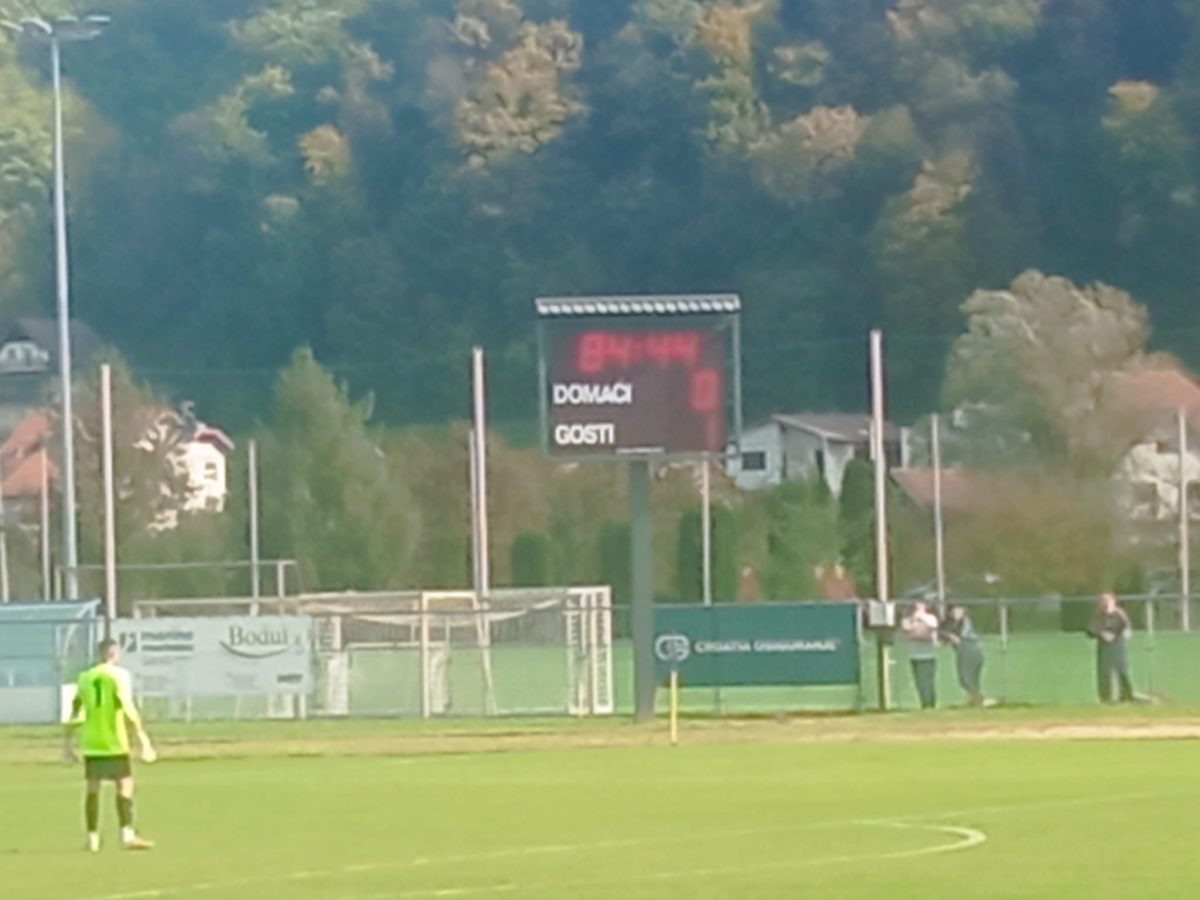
1146, 405
196, 450
1141, 409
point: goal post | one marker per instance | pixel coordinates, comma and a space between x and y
589, 650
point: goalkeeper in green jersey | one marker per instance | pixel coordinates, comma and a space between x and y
103, 706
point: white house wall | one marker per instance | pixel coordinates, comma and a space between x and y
1147, 481
836, 460
800, 454
761, 439
205, 468
803, 451
791, 454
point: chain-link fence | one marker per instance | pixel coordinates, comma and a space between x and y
1037, 652
43, 646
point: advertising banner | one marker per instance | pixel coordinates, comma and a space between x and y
771, 643
219, 656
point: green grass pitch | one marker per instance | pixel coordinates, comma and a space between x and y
750, 809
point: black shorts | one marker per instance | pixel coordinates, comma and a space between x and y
106, 768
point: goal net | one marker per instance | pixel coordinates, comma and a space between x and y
434, 653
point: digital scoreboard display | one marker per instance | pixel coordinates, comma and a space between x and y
636, 385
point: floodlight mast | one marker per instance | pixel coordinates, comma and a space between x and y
62, 30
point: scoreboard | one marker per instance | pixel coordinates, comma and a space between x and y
638, 376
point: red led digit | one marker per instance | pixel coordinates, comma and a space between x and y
618, 348
704, 392
658, 347
686, 346
589, 358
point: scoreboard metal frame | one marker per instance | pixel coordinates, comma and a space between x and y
666, 365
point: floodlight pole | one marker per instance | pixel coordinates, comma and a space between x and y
70, 29
62, 281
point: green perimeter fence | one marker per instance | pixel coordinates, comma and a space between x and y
1036, 654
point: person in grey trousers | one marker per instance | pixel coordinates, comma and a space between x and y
1110, 627
920, 629
959, 633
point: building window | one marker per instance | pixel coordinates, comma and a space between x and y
754, 461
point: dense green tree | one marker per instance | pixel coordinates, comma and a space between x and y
801, 535
331, 496
389, 181
856, 523
1035, 361
614, 561
689, 586
533, 560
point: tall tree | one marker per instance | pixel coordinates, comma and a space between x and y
331, 498
801, 535
1037, 356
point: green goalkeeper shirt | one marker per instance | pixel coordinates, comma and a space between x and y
104, 693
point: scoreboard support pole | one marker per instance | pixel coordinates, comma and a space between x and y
641, 534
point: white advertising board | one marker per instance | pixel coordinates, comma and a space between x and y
218, 656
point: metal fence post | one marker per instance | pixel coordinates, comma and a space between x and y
1149, 644
423, 656
1003, 650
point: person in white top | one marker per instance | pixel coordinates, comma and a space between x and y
920, 628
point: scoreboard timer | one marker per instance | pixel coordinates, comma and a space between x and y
638, 376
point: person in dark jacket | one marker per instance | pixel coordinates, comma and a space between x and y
1110, 627
959, 633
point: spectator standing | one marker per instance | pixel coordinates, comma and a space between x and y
1110, 628
959, 632
920, 628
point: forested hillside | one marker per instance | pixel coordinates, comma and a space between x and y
389, 181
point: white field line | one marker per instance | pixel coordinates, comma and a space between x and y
964, 839
486, 856
919, 820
